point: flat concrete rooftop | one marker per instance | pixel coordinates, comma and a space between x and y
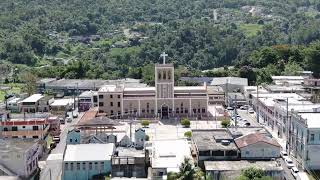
239, 165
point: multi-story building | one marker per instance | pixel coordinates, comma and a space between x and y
216, 95
164, 100
31, 104
19, 157
44, 104
87, 100
303, 141
312, 86
31, 126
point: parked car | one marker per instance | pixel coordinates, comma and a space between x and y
230, 108
289, 163
294, 172
53, 145
62, 120
69, 119
244, 107
251, 111
56, 139
284, 154
75, 115
247, 124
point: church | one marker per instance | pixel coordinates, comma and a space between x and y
164, 100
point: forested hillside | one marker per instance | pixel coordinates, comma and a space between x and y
121, 38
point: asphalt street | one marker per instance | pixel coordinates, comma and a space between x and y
51, 169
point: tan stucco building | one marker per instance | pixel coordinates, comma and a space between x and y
164, 100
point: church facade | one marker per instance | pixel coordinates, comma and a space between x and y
164, 100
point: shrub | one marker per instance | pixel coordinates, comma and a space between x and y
225, 123
147, 138
188, 134
185, 122
145, 123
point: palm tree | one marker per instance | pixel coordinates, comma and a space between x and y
187, 171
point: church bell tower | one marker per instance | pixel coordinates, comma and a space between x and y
164, 84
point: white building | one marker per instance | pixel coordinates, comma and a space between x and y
19, 157
13, 104
83, 161
167, 156
31, 104
303, 142
258, 146
287, 80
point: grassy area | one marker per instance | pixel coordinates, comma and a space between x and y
250, 29
15, 88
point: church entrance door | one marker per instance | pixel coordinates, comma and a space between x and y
164, 112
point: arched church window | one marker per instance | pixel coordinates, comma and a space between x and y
164, 75
169, 75
159, 75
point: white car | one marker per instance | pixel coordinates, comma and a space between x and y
251, 111
294, 172
230, 108
284, 154
289, 163
69, 120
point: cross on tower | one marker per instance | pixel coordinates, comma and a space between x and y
164, 55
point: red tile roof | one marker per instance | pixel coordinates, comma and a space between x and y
255, 138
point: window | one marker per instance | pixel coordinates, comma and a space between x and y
203, 110
143, 110
194, 110
66, 166
111, 104
111, 112
70, 140
111, 96
78, 166
102, 165
100, 96
177, 110
76, 140
95, 99
14, 137
312, 137
23, 127
169, 74
35, 137
100, 104
119, 96
5, 129
71, 166
247, 152
24, 136
152, 111
199, 110
14, 128
186, 111
84, 166
119, 104
96, 165
90, 166
35, 128
181, 111
159, 75
164, 75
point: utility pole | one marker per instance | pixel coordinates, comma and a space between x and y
235, 111
257, 103
288, 124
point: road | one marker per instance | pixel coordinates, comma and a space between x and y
251, 118
51, 169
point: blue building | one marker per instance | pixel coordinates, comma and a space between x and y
83, 161
73, 136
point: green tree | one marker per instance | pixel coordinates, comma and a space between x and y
292, 69
188, 134
253, 173
225, 123
30, 82
187, 171
185, 122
